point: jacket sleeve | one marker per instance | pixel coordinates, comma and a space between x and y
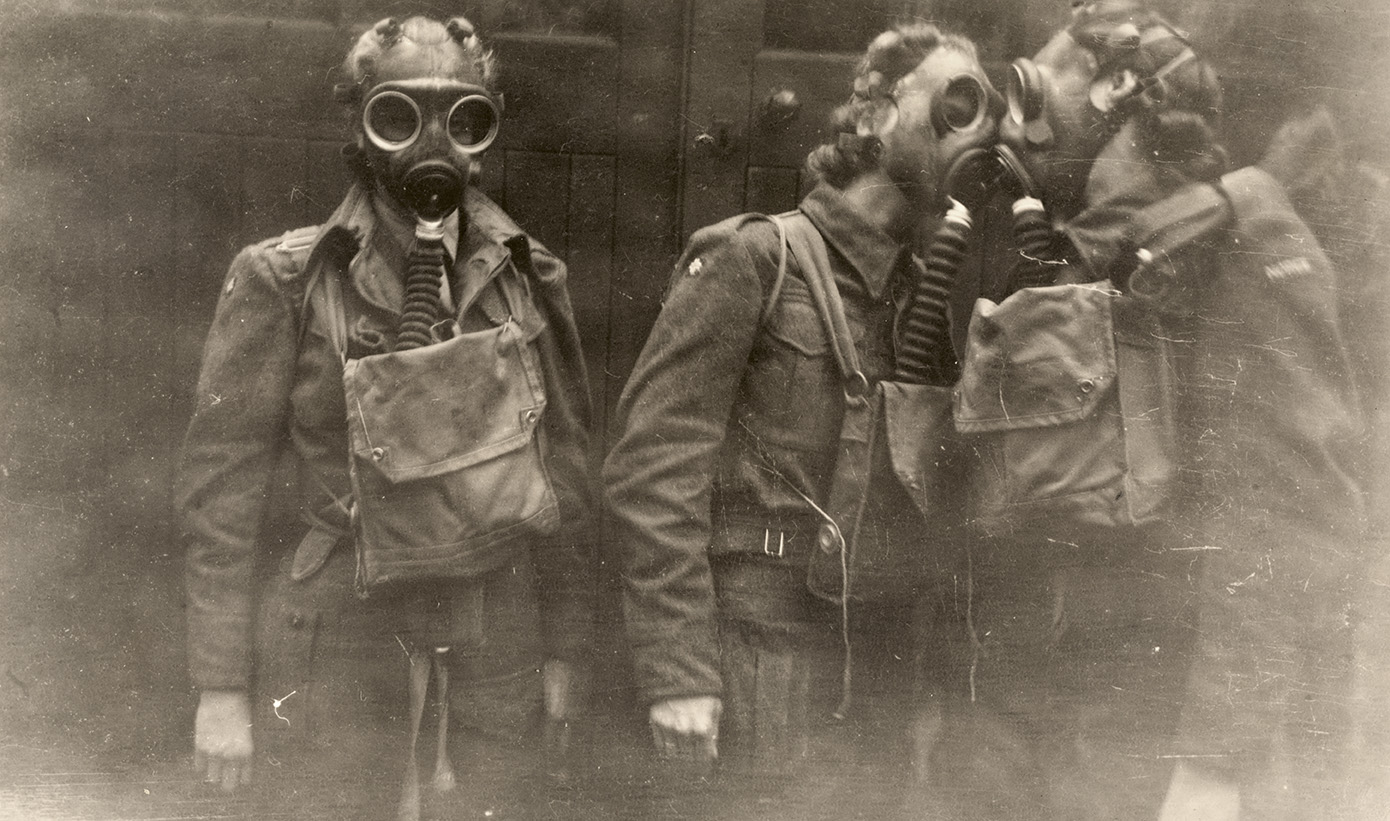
565, 563
673, 417
228, 459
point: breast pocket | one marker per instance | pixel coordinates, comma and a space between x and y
792, 386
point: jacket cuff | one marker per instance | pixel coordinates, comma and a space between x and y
218, 655
679, 667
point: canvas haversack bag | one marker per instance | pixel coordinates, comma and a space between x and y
448, 475
1066, 404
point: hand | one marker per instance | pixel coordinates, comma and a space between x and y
687, 728
222, 738
564, 688
1193, 793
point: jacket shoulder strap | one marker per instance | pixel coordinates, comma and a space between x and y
809, 248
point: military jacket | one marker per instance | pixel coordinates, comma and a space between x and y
726, 412
271, 384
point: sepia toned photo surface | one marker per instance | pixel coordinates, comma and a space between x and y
694, 409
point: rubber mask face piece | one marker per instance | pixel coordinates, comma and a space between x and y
973, 177
422, 137
934, 119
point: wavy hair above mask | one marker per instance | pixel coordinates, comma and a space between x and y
416, 48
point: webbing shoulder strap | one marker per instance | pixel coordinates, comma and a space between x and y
770, 301
809, 247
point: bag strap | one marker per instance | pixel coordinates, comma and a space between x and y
809, 247
770, 301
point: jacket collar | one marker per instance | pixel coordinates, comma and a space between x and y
355, 237
870, 251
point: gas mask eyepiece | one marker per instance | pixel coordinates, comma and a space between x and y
1027, 100
393, 121
1024, 93
960, 106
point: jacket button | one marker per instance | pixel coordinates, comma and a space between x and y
378, 454
1086, 386
531, 417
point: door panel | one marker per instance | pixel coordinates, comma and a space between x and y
817, 83
560, 93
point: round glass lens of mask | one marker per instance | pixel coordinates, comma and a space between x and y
1024, 92
473, 123
962, 103
392, 118
1014, 94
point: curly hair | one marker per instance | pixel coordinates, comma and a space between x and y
891, 56
1179, 96
360, 66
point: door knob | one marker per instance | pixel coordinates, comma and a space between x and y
780, 107
716, 139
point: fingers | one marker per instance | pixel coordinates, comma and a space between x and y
686, 743
562, 688
213, 774
707, 749
231, 775
228, 773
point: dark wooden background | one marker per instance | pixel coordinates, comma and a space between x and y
142, 142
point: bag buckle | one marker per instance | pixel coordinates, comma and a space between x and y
781, 543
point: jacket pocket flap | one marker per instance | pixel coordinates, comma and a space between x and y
1043, 356
432, 410
917, 423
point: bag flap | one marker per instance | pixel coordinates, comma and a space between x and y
420, 413
1043, 356
917, 423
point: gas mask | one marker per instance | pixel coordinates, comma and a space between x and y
1124, 48
1129, 79
425, 111
961, 107
423, 137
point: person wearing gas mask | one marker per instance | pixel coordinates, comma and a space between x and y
729, 429
1112, 129
418, 358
